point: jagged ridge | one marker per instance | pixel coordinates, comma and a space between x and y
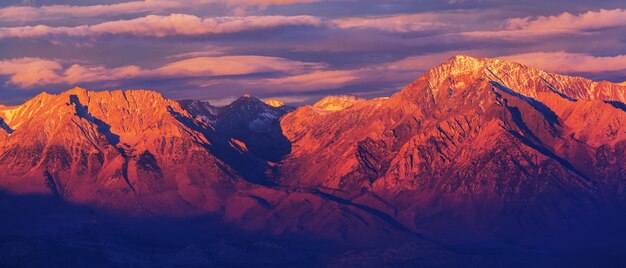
506, 136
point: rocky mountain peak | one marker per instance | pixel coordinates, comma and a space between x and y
462, 65
337, 103
200, 109
247, 98
459, 72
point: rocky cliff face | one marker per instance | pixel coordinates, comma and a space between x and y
248, 122
336, 103
470, 136
135, 152
474, 147
123, 149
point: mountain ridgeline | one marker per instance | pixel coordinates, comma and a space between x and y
473, 150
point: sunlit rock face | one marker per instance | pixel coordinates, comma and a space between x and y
470, 135
119, 149
336, 103
473, 148
274, 103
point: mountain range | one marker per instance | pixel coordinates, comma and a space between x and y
474, 150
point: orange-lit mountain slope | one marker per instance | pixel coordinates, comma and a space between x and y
470, 136
473, 147
122, 149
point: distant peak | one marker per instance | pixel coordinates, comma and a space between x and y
193, 104
247, 98
336, 103
274, 103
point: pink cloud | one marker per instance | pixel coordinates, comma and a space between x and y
397, 23
79, 74
231, 65
31, 72
269, 2
315, 80
26, 72
564, 62
401, 72
161, 26
403, 23
51, 12
565, 23
28, 13
189, 25
590, 20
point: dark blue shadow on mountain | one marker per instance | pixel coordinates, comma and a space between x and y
531, 140
5, 126
45, 231
555, 157
250, 167
257, 125
271, 145
82, 111
553, 89
547, 113
617, 104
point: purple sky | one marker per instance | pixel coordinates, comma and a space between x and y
293, 50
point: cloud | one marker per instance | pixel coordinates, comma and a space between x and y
162, 26
564, 62
231, 65
267, 2
398, 73
314, 81
53, 12
587, 21
31, 72
25, 72
397, 23
564, 24
30, 13
211, 52
416, 22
